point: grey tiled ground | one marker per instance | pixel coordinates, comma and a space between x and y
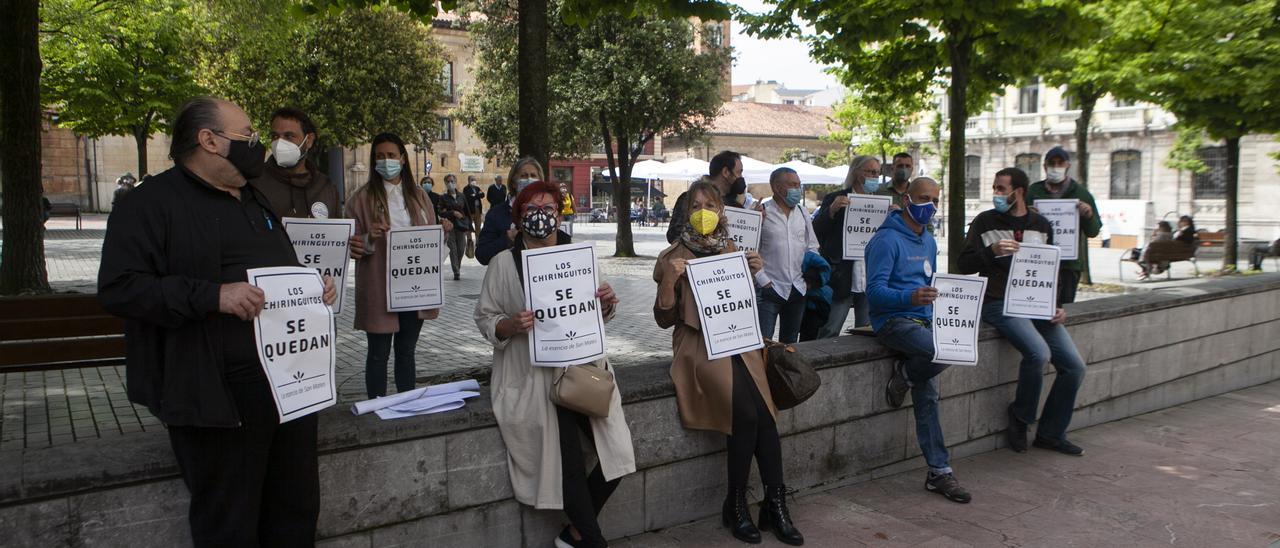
41, 409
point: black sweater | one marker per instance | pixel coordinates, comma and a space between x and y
161, 270
991, 226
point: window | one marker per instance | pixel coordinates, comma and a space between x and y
1126, 175
1069, 102
446, 129
1030, 164
1124, 102
562, 174
713, 34
1029, 98
1213, 182
446, 79
973, 177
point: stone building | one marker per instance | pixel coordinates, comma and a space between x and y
1129, 146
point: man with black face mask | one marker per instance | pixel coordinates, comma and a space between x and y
291, 181
174, 264
725, 172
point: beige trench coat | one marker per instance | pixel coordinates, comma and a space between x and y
522, 400
371, 270
704, 389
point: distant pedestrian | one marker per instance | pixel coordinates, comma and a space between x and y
456, 208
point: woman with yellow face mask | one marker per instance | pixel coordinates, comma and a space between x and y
729, 395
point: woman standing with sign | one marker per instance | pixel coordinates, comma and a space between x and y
544, 450
846, 275
729, 395
389, 199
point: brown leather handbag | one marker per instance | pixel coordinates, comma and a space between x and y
792, 379
584, 388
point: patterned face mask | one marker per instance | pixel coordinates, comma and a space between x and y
538, 224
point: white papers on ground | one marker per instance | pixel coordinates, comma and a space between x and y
421, 401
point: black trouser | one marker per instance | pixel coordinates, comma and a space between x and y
1068, 280
254, 485
375, 363
754, 433
583, 495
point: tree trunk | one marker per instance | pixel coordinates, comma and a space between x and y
1088, 100
533, 75
620, 164
960, 49
140, 136
22, 267
1229, 243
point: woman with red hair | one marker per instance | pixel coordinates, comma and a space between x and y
543, 440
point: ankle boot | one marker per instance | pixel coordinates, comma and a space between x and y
774, 515
737, 516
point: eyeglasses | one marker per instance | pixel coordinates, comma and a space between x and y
549, 209
252, 138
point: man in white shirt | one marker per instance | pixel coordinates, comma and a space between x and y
784, 238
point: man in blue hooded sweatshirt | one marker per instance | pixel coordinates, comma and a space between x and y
901, 259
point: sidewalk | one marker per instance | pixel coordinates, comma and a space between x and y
1201, 474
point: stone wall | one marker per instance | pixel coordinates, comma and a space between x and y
442, 479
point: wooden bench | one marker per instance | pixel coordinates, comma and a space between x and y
1166, 251
46, 332
66, 209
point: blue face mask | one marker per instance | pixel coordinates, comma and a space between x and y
1001, 202
793, 196
871, 184
388, 169
921, 213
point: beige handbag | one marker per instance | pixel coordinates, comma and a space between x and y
585, 388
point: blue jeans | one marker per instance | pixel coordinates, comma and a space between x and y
840, 313
1041, 341
916, 342
791, 310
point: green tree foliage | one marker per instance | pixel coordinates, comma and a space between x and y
881, 119
616, 82
1213, 65
116, 67
356, 72
903, 49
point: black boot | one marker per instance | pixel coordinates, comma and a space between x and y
737, 517
774, 515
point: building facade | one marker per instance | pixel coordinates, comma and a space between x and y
1129, 145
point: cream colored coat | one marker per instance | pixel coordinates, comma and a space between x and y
522, 400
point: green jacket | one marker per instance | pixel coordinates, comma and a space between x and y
1089, 228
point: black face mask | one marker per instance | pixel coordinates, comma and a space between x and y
739, 187
247, 159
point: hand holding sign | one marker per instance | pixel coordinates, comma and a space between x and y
240, 299
957, 313
561, 289
1032, 289
295, 339
726, 301
862, 218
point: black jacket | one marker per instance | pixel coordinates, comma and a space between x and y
991, 226
160, 271
830, 233
497, 194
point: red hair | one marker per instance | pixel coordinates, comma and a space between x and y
534, 189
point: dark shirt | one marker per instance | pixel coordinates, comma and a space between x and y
497, 194
991, 226
475, 197
251, 238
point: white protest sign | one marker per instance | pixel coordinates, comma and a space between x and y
322, 244
414, 255
725, 294
1065, 218
956, 315
744, 227
295, 337
560, 288
862, 218
1032, 290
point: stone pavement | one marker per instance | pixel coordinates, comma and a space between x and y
1200, 474
41, 409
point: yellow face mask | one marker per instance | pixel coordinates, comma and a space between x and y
704, 221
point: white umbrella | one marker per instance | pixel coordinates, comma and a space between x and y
811, 174
687, 169
646, 169
755, 171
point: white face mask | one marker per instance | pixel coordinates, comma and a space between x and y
286, 153
1056, 174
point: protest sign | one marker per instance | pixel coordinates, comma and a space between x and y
560, 288
1064, 215
744, 227
414, 256
1032, 290
957, 313
724, 291
322, 244
294, 335
862, 218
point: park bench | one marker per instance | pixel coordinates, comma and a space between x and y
45, 332
66, 209
1172, 251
